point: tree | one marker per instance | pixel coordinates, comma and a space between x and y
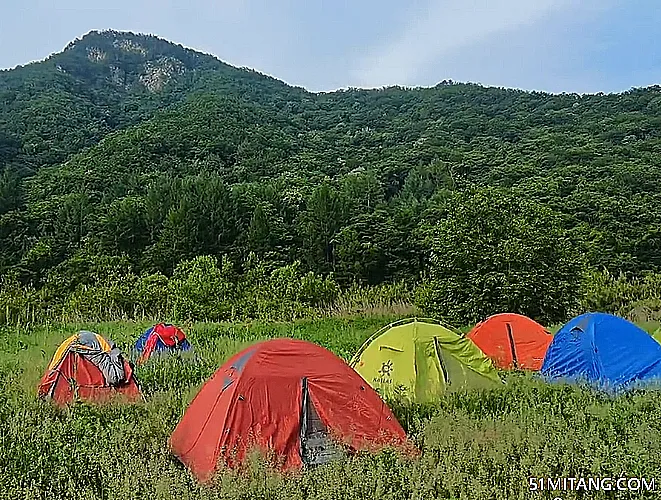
320, 224
492, 252
11, 190
424, 181
373, 249
123, 229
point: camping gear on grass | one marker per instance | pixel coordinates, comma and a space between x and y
421, 359
605, 351
289, 397
90, 368
161, 338
512, 341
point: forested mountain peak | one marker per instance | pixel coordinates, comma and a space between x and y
120, 57
127, 59
103, 82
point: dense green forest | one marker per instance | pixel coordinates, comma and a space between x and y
139, 173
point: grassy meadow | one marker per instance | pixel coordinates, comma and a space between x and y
475, 445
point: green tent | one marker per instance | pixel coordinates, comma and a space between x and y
422, 359
657, 335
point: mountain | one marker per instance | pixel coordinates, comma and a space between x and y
127, 144
100, 83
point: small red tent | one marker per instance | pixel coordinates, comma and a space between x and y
287, 396
512, 341
88, 367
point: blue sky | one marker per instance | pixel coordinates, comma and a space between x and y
549, 45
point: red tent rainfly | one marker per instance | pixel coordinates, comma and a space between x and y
88, 367
286, 396
512, 341
161, 337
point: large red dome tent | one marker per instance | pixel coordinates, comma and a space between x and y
286, 396
512, 341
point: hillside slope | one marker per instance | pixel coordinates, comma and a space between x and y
145, 149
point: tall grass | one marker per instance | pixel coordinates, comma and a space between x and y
377, 300
475, 445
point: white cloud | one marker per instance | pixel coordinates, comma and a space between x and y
446, 26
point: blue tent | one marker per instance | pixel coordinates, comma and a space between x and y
603, 350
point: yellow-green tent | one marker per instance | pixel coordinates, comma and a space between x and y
657, 335
422, 359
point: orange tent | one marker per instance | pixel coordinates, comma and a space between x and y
287, 396
512, 341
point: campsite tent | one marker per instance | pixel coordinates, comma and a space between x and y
88, 367
162, 337
604, 350
512, 341
284, 396
422, 359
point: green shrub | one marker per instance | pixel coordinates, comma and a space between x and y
19, 305
108, 298
151, 296
201, 290
638, 299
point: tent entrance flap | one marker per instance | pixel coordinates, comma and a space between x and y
441, 362
510, 337
317, 447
